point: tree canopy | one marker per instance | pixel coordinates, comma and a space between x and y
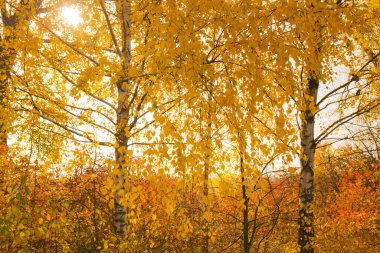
189, 126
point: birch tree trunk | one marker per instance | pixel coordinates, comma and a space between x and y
306, 184
3, 106
122, 121
206, 237
205, 246
246, 242
10, 23
7, 56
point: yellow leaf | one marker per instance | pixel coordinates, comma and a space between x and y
292, 169
207, 216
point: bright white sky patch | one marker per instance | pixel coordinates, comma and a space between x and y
71, 15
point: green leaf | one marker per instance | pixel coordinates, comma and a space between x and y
23, 180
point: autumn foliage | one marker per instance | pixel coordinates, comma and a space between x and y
51, 213
189, 126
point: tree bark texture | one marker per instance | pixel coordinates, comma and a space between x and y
306, 184
123, 115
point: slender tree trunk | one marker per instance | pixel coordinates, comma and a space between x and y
246, 243
205, 245
3, 110
8, 52
119, 182
7, 56
306, 184
206, 238
123, 89
94, 206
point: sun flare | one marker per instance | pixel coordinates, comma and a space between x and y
71, 15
